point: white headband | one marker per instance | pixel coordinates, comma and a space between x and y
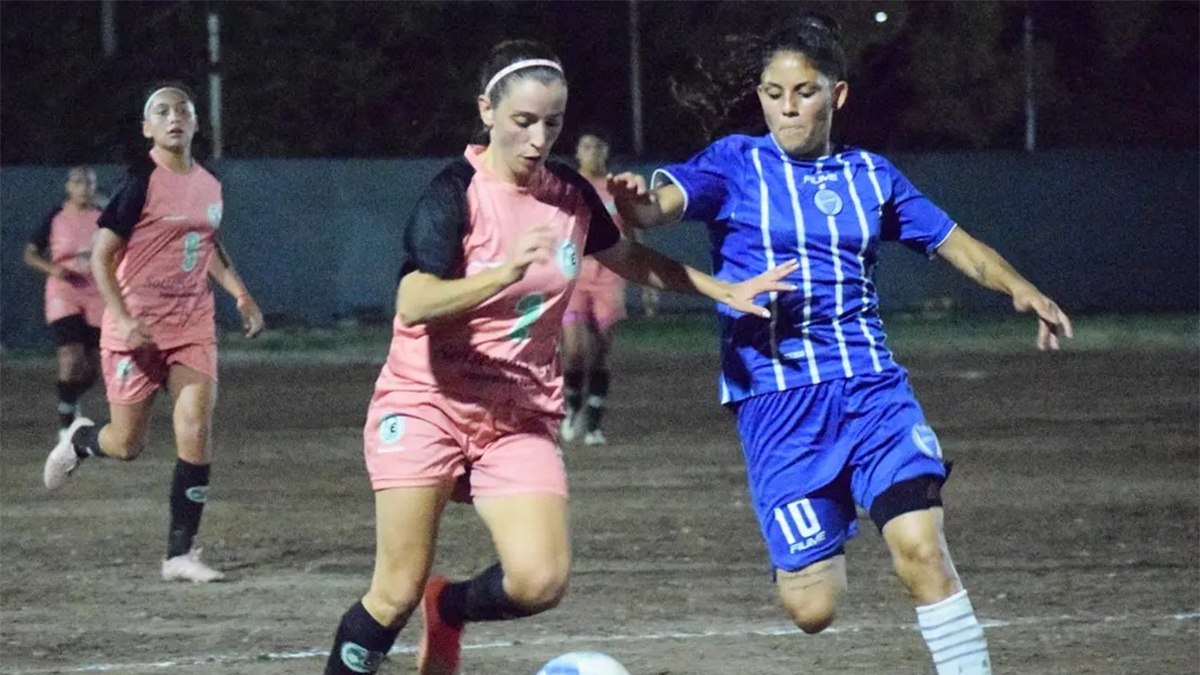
156, 92
527, 63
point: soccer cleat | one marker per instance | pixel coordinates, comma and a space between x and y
441, 642
62, 460
570, 426
189, 567
595, 437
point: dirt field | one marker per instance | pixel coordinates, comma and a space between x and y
1073, 515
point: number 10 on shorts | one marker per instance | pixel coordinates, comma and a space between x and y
799, 524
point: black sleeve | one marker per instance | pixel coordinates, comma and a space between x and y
432, 240
124, 210
602, 232
41, 236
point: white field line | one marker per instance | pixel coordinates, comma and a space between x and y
563, 641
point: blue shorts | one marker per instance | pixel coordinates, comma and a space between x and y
813, 452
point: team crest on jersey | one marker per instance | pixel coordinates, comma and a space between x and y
391, 428
927, 441
828, 201
124, 368
568, 259
214, 215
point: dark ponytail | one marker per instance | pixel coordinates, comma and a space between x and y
718, 88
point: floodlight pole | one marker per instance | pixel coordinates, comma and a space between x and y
635, 80
1030, 97
214, 83
108, 27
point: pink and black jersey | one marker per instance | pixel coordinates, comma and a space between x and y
65, 237
503, 353
592, 275
168, 222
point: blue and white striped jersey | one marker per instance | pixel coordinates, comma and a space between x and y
764, 208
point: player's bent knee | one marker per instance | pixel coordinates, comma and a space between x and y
811, 616
536, 589
125, 447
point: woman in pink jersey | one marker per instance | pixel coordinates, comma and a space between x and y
597, 304
157, 246
62, 249
470, 399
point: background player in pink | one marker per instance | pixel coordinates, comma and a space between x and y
156, 248
62, 249
470, 399
597, 304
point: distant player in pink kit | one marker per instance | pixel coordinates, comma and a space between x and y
62, 249
156, 248
470, 399
596, 305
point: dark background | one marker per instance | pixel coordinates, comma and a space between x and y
397, 79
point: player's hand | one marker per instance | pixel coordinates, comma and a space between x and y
741, 296
252, 316
534, 245
629, 191
134, 333
1053, 323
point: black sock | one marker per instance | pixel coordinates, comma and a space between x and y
68, 401
189, 492
86, 441
479, 599
573, 390
360, 643
597, 392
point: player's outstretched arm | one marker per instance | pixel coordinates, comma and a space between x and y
643, 265
988, 268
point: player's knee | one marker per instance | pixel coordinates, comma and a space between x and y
811, 614
924, 553
537, 588
125, 445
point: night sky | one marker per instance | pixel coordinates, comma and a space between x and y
383, 79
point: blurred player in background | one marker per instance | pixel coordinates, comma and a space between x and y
157, 245
826, 416
62, 249
597, 304
470, 400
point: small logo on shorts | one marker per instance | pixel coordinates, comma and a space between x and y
568, 259
124, 368
828, 201
214, 215
360, 659
926, 440
197, 494
391, 428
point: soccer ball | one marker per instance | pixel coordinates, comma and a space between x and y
583, 663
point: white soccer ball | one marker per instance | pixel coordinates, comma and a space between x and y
583, 663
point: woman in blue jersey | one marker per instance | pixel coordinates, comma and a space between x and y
826, 416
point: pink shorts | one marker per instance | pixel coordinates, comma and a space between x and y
602, 306
412, 441
64, 299
130, 377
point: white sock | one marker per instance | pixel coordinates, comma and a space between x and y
954, 636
